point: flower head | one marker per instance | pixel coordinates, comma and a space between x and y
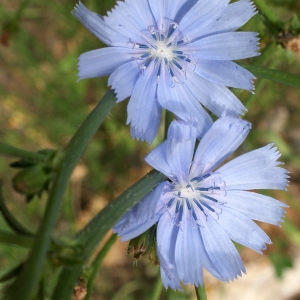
203, 206
171, 54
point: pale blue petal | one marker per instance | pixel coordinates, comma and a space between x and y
190, 254
255, 170
142, 216
150, 132
178, 99
143, 10
96, 24
166, 9
102, 62
186, 6
158, 160
234, 16
228, 19
201, 14
241, 229
255, 206
217, 98
173, 157
123, 18
123, 79
225, 46
221, 250
166, 241
143, 109
225, 72
219, 142
180, 149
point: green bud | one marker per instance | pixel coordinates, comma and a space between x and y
144, 244
31, 180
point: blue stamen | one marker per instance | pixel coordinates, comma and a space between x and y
173, 28
143, 46
207, 206
215, 188
188, 60
188, 204
172, 73
177, 52
170, 202
202, 189
147, 63
159, 69
194, 215
177, 64
177, 207
180, 213
180, 42
199, 205
209, 198
146, 55
166, 61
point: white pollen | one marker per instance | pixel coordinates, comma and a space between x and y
163, 51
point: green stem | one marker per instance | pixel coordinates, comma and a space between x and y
15, 239
25, 285
264, 8
97, 263
94, 232
10, 219
21, 9
20, 153
200, 292
157, 289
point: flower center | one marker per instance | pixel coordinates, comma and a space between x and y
163, 47
197, 201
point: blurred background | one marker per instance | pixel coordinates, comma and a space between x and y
42, 106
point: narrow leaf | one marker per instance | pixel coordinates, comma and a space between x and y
274, 75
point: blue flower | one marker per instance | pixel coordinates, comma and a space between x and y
202, 207
171, 54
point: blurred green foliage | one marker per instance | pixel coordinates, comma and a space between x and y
42, 105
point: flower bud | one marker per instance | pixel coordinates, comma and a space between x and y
31, 180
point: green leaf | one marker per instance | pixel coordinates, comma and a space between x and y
274, 75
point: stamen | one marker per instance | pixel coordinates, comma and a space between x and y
146, 55
173, 28
170, 203
198, 204
180, 213
177, 52
188, 204
141, 46
202, 189
146, 65
177, 64
209, 198
207, 206
194, 215
177, 207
